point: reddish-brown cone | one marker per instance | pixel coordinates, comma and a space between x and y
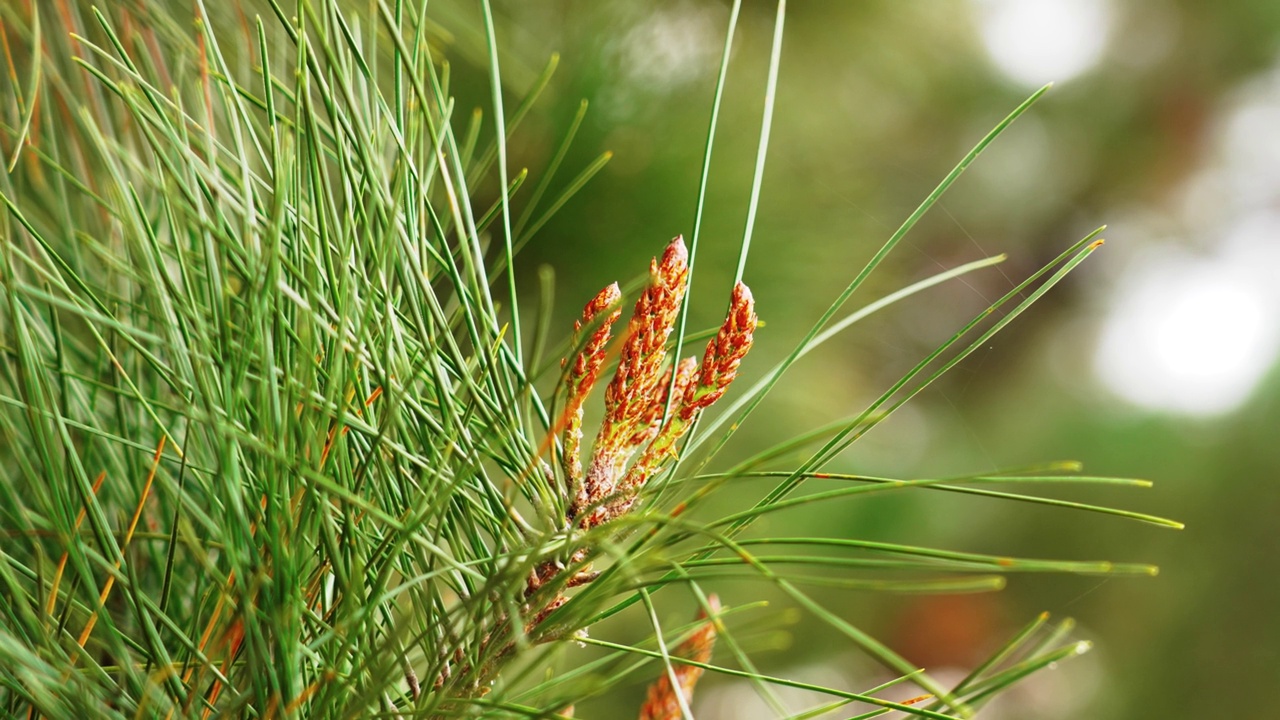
725, 352
662, 702
585, 372
631, 395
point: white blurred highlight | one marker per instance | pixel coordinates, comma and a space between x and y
1190, 335
1038, 41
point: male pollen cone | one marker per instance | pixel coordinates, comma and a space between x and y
586, 371
662, 702
725, 352
640, 366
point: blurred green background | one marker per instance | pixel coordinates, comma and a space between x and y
1156, 359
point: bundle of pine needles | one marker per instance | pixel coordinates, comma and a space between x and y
278, 437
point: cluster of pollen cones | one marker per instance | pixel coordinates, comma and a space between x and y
650, 404
634, 442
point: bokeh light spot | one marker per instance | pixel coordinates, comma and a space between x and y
1189, 335
1040, 41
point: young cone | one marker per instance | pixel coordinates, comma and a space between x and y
725, 352
663, 700
585, 372
632, 390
